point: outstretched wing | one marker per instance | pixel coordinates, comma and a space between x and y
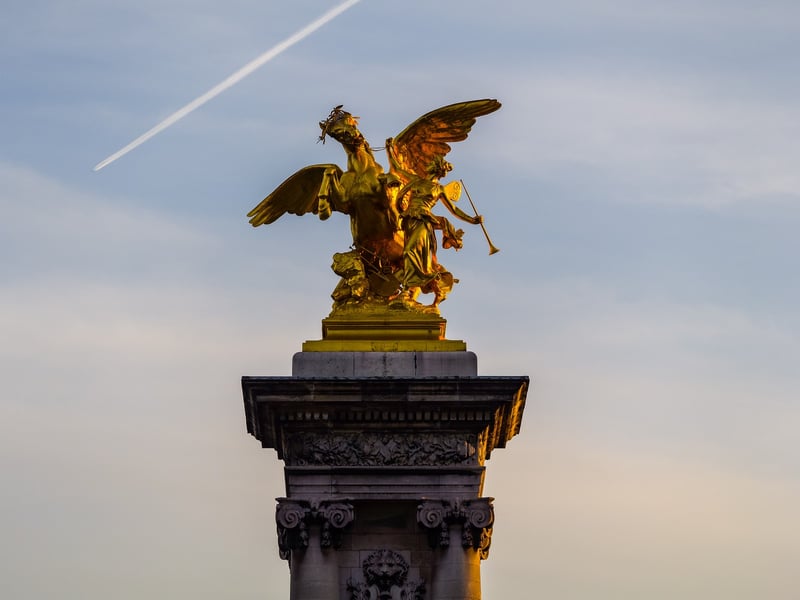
297, 195
432, 133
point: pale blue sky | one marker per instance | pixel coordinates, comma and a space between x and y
641, 180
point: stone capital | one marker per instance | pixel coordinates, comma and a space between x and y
475, 517
294, 517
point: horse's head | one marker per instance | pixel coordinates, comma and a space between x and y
343, 127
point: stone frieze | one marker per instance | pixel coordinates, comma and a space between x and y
381, 449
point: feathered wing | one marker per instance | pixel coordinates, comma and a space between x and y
431, 134
297, 195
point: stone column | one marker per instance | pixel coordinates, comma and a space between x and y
460, 533
309, 534
315, 574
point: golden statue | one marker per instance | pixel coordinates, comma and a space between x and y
393, 256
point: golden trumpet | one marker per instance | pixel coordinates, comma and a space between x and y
492, 248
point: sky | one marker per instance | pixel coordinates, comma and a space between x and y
641, 181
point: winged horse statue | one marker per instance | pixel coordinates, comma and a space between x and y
393, 256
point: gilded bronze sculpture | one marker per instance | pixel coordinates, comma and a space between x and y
393, 256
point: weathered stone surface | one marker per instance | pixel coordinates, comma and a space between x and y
385, 364
384, 483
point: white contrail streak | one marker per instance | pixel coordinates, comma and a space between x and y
230, 81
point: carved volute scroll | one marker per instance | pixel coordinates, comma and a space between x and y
478, 518
335, 517
433, 515
386, 578
294, 517
475, 516
292, 520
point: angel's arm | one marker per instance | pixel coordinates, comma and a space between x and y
457, 212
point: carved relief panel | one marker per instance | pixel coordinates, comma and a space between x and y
386, 578
381, 449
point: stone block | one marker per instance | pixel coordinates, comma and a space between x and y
385, 364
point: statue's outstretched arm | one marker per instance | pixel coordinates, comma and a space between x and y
457, 212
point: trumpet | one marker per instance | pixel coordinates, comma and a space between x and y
492, 248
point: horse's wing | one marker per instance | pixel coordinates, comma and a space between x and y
429, 135
297, 195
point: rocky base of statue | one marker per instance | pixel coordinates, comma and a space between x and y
367, 287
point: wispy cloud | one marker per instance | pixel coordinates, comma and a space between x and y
39, 205
669, 139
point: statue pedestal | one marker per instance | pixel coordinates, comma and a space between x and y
385, 329
384, 458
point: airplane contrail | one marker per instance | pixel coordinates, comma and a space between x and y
230, 81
